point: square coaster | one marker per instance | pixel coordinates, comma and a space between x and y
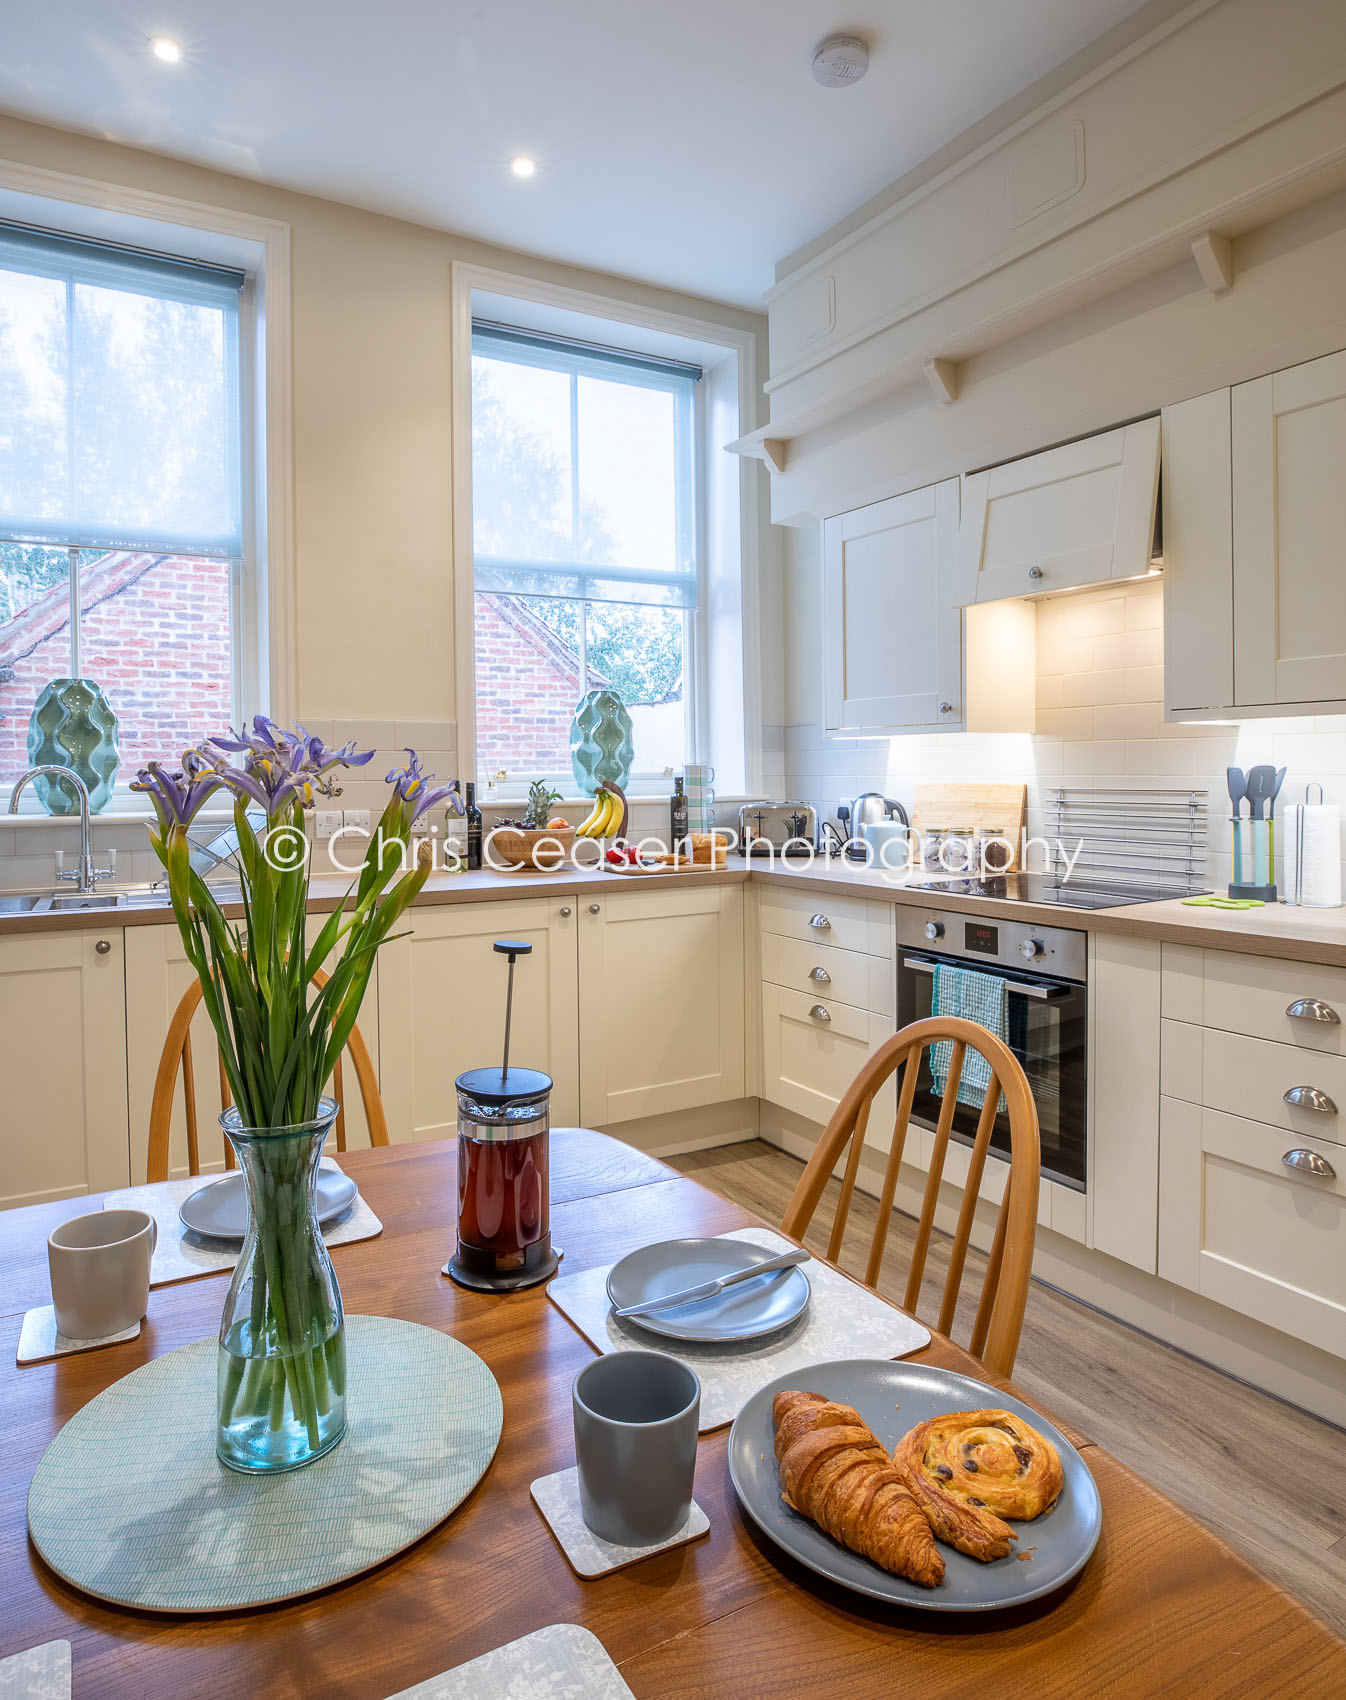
42, 1673
39, 1338
558, 1499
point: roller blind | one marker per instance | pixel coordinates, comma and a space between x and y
119, 398
583, 470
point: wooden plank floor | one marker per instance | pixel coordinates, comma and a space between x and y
1261, 1474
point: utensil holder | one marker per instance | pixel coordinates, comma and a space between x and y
1254, 859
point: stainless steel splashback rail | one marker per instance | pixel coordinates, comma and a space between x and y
1154, 837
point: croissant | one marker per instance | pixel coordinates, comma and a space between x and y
970, 1470
834, 1471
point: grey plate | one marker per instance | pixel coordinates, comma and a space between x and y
742, 1312
220, 1210
892, 1398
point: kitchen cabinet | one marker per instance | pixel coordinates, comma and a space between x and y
1125, 993
892, 638
63, 1063
441, 1007
157, 974
1075, 515
661, 1023
1255, 506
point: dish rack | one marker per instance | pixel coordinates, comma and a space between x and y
1154, 839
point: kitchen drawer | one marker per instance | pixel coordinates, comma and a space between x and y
1239, 1227
817, 916
1250, 1077
810, 1059
835, 976
1254, 995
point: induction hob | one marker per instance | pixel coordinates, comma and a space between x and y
1048, 888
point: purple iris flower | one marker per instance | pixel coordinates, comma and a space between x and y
282, 767
178, 793
414, 791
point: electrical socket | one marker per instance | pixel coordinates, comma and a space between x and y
357, 820
328, 822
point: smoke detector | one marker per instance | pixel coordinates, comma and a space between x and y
839, 61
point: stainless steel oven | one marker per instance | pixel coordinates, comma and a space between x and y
1045, 970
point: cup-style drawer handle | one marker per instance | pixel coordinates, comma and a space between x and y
821, 976
1314, 1009
1310, 1163
819, 1012
819, 921
1310, 1098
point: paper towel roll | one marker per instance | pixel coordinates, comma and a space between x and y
1313, 850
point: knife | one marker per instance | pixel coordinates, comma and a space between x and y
712, 1289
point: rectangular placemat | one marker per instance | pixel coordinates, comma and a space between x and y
843, 1320
558, 1661
180, 1254
42, 1673
558, 1499
40, 1339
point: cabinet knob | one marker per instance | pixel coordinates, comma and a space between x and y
819, 1012
1310, 1163
565, 910
1314, 1009
1310, 1098
821, 976
103, 946
820, 921
1035, 572
595, 909
946, 708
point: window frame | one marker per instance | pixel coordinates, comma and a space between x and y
571, 358
264, 603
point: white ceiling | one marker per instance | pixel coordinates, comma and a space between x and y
683, 142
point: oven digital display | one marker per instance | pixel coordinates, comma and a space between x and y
979, 937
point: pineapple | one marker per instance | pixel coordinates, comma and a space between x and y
540, 799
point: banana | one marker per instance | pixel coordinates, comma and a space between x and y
604, 827
587, 827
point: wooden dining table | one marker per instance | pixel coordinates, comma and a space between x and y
1162, 1608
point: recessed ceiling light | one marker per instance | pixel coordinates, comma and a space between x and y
522, 166
165, 48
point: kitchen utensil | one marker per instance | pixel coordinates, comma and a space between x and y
1238, 786
504, 1118
100, 1272
892, 1398
746, 1311
1212, 900
713, 1289
220, 1209
1313, 852
636, 1418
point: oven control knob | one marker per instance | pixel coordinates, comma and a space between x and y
1031, 949
934, 930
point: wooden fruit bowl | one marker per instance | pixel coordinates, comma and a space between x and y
543, 849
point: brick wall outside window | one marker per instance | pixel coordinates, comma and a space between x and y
155, 634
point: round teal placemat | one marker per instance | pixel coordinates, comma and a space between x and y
131, 1504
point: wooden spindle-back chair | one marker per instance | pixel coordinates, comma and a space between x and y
1004, 1293
177, 1054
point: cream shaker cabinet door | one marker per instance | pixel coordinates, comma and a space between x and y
661, 1000
1289, 494
63, 1062
892, 637
157, 974
441, 1000
1198, 557
1079, 514
1253, 1218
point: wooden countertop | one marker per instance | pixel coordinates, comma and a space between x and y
1162, 1608
1295, 934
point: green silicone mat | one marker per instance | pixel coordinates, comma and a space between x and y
131, 1504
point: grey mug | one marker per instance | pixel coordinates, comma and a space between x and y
636, 1418
100, 1272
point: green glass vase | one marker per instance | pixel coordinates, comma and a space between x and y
72, 725
602, 743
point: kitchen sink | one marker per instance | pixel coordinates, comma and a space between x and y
58, 902
22, 904
111, 898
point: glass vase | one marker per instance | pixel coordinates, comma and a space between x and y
281, 1382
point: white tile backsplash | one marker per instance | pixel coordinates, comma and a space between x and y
1100, 698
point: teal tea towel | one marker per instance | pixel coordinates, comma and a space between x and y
983, 998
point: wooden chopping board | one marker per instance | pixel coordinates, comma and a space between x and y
997, 807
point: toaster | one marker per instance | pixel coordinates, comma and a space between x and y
778, 829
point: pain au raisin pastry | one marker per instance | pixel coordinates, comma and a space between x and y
972, 1469
834, 1471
